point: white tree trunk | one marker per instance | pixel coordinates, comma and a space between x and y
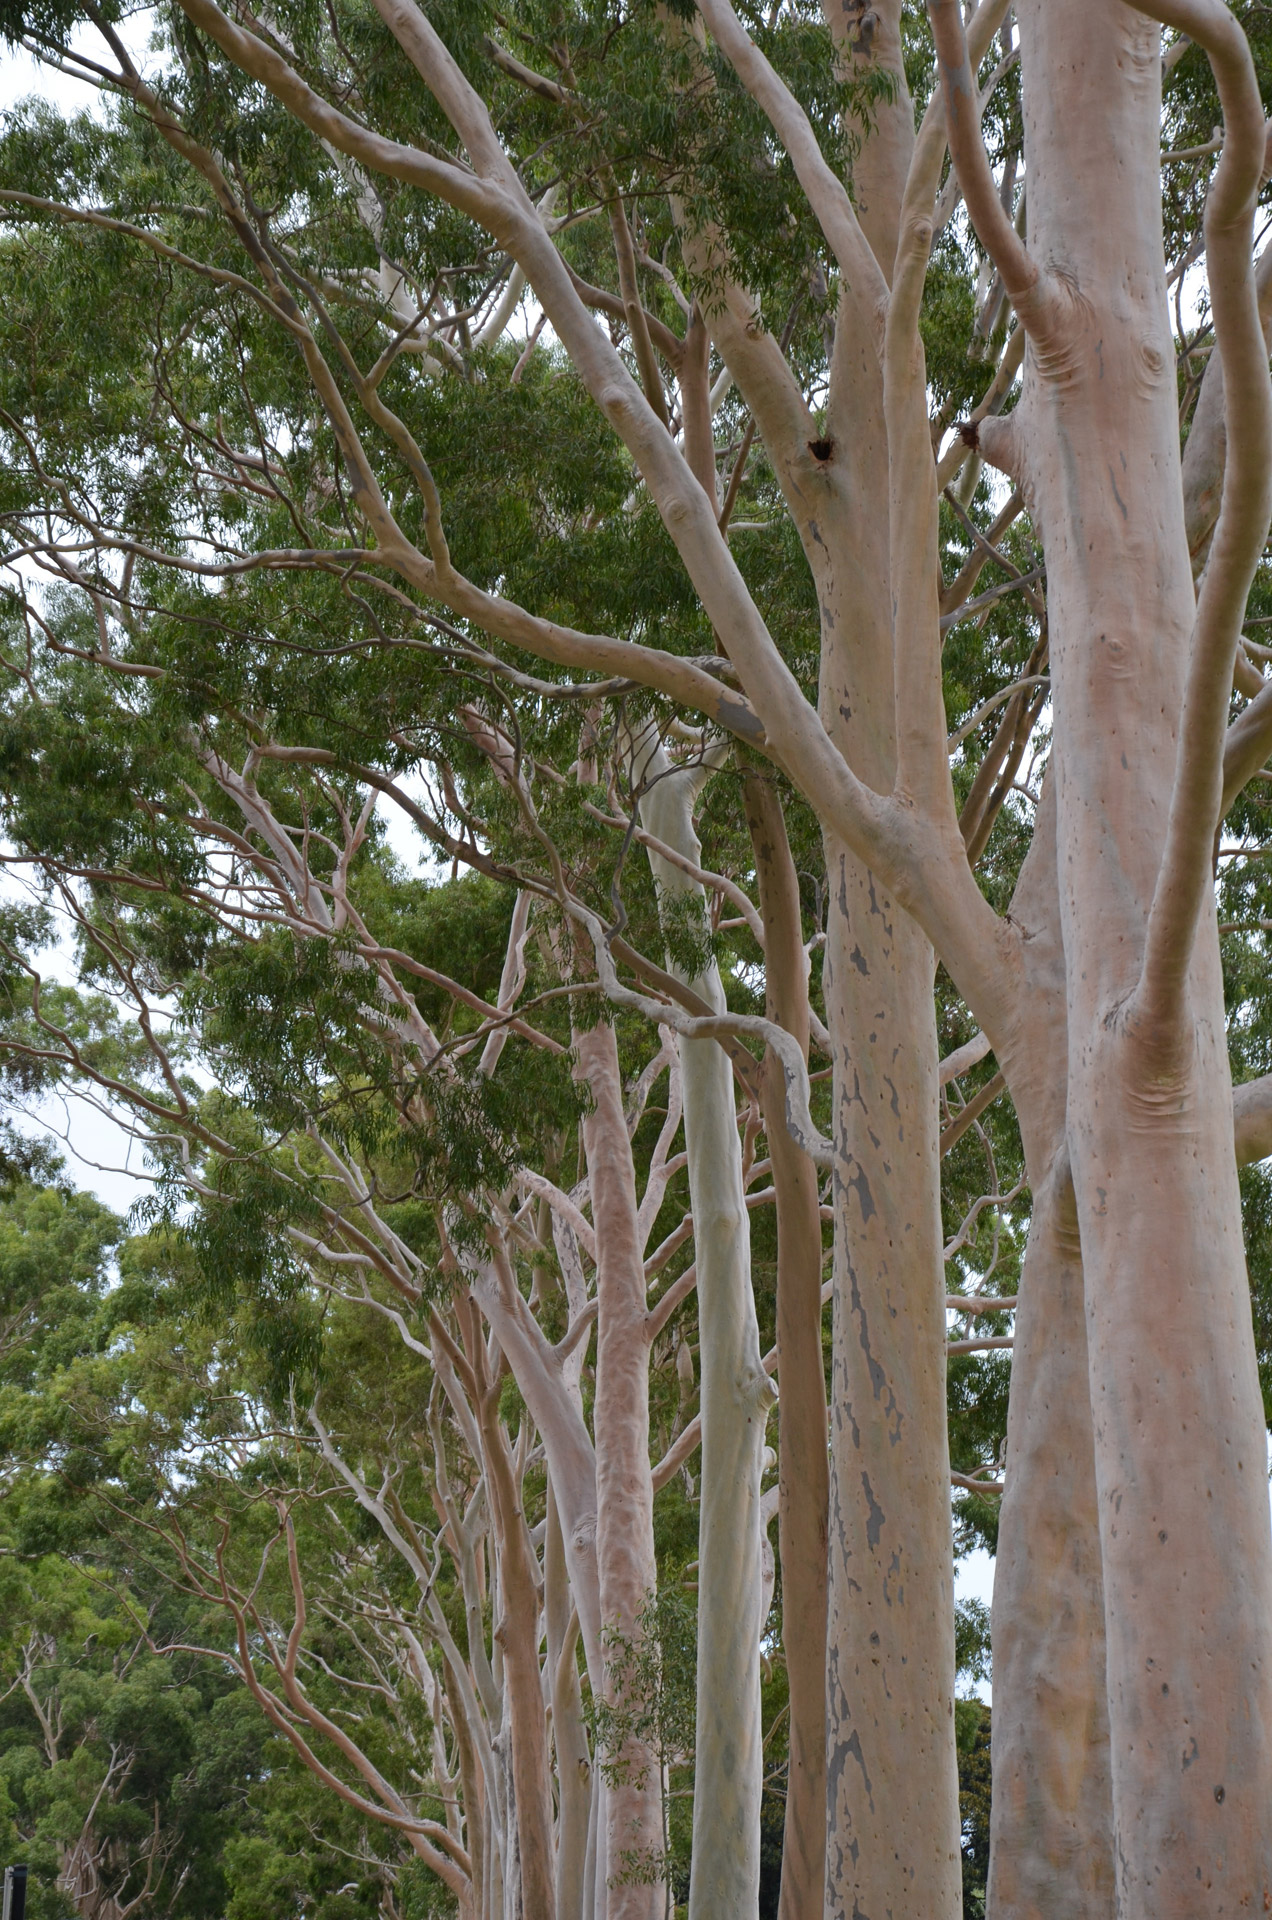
736, 1395
573, 1762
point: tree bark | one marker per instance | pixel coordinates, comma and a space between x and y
892, 1803
517, 1634
888, 1268
892, 1785
867, 37
573, 1762
1051, 1855
736, 1395
1207, 443
803, 1494
626, 1566
1051, 1837
889, 1488
1178, 1421
566, 1441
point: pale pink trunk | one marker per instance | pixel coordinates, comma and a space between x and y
1207, 444
1179, 1431
1051, 1839
1051, 1855
626, 1566
892, 1786
885, 1786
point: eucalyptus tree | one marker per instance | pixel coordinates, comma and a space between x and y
339, 215
804, 1518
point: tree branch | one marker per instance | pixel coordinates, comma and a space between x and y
1029, 292
1184, 877
827, 195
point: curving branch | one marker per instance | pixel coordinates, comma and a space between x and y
827, 195
1184, 877
1029, 291
1246, 746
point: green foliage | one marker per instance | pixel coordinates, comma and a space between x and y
974, 1802
972, 1639
129, 1437
653, 1702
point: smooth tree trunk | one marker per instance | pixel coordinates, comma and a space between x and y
1051, 1837
529, 1825
893, 1784
735, 1397
892, 1791
628, 1574
573, 1761
1206, 447
1051, 1854
541, 1381
1178, 1422
803, 1473
892, 1821
550, 1391
891, 1758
